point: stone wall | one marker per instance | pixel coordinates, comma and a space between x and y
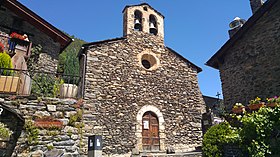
66, 140
50, 49
117, 86
251, 67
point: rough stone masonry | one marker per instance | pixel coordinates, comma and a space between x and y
120, 88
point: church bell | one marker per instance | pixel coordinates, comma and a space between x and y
153, 29
137, 25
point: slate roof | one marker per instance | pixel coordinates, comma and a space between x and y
12, 111
141, 5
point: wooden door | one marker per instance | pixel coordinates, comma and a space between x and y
150, 131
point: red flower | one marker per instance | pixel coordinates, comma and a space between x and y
18, 36
1, 47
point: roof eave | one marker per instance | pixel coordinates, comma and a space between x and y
176, 53
85, 46
38, 22
141, 5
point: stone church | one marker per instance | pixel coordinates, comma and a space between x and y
140, 95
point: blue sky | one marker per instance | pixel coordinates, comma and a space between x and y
195, 29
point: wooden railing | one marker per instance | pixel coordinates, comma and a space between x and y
25, 83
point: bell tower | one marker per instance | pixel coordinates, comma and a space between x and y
143, 18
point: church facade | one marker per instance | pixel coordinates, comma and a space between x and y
140, 95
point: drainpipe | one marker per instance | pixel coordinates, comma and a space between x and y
84, 73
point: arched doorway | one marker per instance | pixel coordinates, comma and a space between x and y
144, 113
150, 132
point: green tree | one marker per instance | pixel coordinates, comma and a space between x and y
68, 60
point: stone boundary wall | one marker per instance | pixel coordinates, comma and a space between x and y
65, 140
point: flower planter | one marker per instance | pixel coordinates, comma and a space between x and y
238, 110
254, 107
47, 124
9, 84
68, 90
272, 104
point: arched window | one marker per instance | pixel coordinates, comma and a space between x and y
138, 20
153, 25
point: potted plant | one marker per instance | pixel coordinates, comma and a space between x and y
238, 108
255, 104
8, 83
19, 41
272, 102
69, 88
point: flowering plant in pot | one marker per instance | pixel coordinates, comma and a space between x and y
238, 108
18, 36
272, 102
255, 104
1, 47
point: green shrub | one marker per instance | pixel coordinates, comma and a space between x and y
46, 85
5, 62
216, 137
75, 117
260, 131
4, 131
32, 133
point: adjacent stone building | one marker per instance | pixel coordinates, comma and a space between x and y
249, 61
140, 95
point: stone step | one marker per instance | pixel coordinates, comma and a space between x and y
190, 154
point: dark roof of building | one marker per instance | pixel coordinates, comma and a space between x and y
103, 41
217, 58
141, 5
123, 38
12, 111
85, 46
211, 101
38, 22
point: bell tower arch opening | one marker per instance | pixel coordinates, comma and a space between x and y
138, 20
153, 25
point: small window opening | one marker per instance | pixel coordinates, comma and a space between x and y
138, 20
153, 25
148, 61
145, 8
146, 64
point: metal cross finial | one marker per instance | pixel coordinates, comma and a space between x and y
218, 95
